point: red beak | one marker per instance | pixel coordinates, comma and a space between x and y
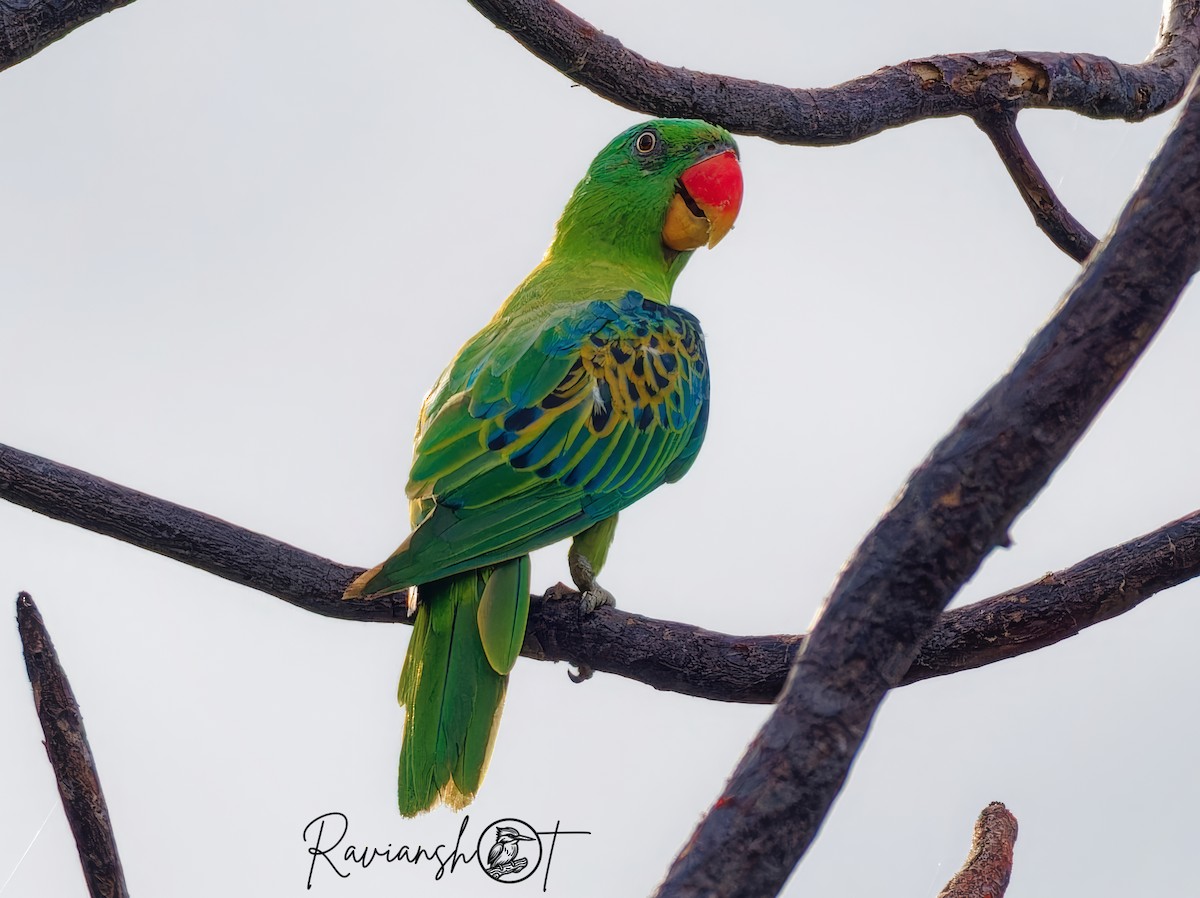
715, 185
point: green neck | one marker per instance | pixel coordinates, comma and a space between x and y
602, 250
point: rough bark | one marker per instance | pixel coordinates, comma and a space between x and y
938, 86
667, 655
71, 757
954, 509
30, 26
989, 87
988, 867
1066, 232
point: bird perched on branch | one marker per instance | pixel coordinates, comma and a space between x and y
586, 391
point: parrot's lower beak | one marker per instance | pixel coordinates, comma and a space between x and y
707, 198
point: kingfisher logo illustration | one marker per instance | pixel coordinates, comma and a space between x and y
509, 850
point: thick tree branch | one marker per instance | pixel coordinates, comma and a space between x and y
669, 656
989, 865
30, 26
954, 509
1051, 216
957, 84
71, 757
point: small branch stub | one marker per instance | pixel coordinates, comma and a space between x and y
70, 756
986, 872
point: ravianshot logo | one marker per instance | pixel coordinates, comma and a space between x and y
506, 851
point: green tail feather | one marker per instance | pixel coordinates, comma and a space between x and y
451, 693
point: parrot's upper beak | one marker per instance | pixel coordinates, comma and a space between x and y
707, 198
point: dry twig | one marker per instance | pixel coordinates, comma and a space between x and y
71, 757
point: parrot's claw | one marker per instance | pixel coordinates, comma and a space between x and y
592, 594
596, 596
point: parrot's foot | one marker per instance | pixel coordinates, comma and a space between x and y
597, 597
582, 672
593, 594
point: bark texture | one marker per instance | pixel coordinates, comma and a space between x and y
954, 509
668, 655
71, 757
30, 26
988, 867
938, 86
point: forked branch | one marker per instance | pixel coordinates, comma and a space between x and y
1048, 211
989, 87
938, 86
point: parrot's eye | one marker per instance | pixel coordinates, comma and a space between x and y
645, 142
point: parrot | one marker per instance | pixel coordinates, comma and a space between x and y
584, 392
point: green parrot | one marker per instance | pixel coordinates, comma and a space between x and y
586, 391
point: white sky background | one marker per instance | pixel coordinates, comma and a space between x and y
239, 242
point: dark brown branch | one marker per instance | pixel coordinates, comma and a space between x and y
197, 539
989, 865
682, 658
1061, 604
1051, 216
669, 656
71, 757
30, 26
954, 509
990, 87
958, 84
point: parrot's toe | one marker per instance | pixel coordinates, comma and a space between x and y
581, 673
596, 596
592, 594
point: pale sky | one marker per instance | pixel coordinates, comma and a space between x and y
240, 242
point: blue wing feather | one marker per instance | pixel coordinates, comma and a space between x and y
524, 443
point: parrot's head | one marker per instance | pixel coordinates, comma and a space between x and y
658, 191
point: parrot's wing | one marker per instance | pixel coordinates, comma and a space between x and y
604, 404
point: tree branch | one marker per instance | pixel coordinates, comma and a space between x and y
197, 539
682, 658
990, 87
1051, 216
71, 757
986, 872
954, 509
957, 84
30, 26
669, 656
1061, 604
